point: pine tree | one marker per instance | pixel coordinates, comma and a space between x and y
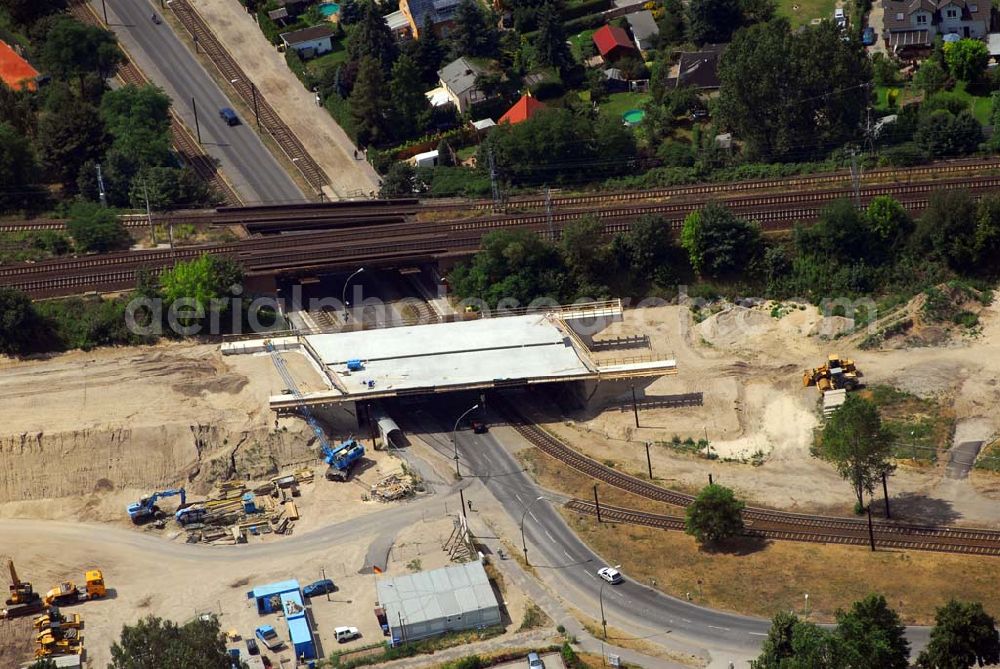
430, 52
473, 34
550, 44
368, 102
410, 108
372, 37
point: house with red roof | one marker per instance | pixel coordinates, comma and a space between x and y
612, 42
15, 71
522, 110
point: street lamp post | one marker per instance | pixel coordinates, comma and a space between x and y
253, 95
454, 436
343, 294
524, 544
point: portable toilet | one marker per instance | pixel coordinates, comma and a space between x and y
249, 506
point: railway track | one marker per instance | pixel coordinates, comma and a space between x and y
290, 145
767, 522
184, 144
348, 237
922, 539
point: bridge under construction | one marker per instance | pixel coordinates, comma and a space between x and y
551, 346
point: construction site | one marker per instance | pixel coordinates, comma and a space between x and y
211, 458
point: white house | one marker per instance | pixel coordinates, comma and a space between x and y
310, 42
457, 85
913, 24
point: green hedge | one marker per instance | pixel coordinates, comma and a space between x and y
585, 8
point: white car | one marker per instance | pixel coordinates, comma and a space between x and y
345, 634
610, 574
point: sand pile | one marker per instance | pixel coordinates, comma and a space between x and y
735, 326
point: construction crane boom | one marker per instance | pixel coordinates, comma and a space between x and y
340, 458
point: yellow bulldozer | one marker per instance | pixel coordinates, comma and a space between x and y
838, 373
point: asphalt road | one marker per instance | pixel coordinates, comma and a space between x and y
570, 566
166, 61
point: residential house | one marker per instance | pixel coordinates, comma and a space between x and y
612, 42
522, 110
457, 85
644, 29
912, 25
310, 42
15, 71
699, 69
418, 13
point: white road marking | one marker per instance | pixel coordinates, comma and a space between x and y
532, 514
685, 620
590, 575
567, 555
757, 633
716, 627
518, 498
551, 538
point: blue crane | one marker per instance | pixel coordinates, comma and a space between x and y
146, 508
340, 458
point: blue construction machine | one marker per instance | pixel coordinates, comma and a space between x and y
146, 509
340, 458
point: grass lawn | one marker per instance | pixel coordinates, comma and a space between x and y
579, 41
619, 103
800, 12
981, 106
335, 57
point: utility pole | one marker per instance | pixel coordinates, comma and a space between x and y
871, 530
597, 504
256, 112
149, 214
461, 496
100, 187
885, 492
197, 126
856, 177
104, 7
494, 186
635, 408
649, 463
548, 212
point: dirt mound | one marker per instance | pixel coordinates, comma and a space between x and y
932, 318
735, 326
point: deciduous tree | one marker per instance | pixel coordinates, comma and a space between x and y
947, 228
964, 636
888, 220
68, 138
715, 515
17, 168
930, 77
793, 95
966, 58
73, 49
857, 445
153, 642
17, 321
718, 243
96, 228
138, 120
713, 20
873, 635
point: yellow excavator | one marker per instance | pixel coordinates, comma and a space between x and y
838, 373
23, 600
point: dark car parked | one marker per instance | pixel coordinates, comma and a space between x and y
252, 646
319, 588
868, 36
